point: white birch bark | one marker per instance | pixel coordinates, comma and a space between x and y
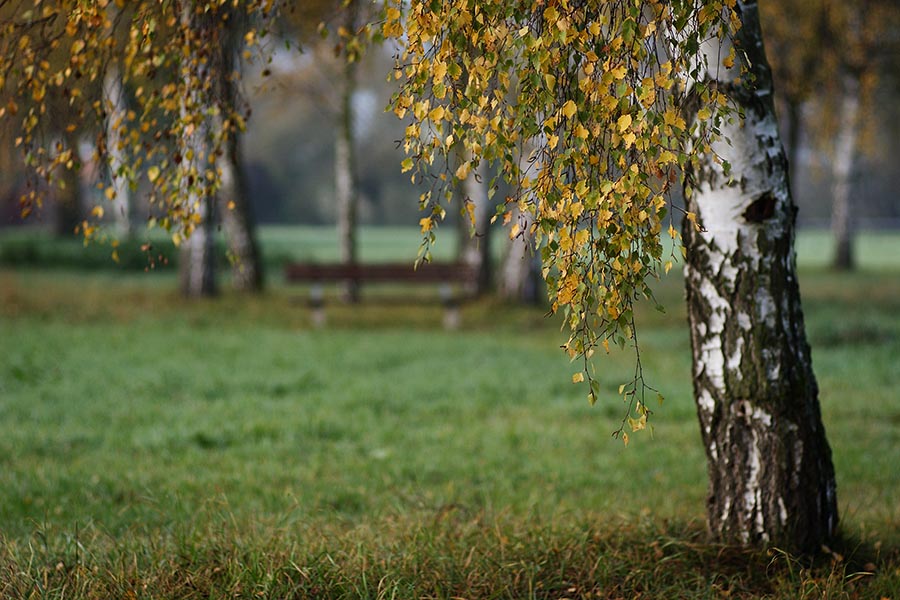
116, 109
197, 261
520, 272
771, 476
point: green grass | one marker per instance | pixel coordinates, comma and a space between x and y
154, 448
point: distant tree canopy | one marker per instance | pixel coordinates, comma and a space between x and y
169, 54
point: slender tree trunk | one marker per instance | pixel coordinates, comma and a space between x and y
68, 196
238, 221
844, 155
197, 261
115, 108
771, 479
346, 182
474, 237
793, 130
520, 272
237, 214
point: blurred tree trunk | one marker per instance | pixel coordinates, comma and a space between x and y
520, 272
114, 105
474, 248
115, 109
793, 129
346, 183
237, 214
197, 260
68, 194
844, 159
771, 479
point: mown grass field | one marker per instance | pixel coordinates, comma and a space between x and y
155, 448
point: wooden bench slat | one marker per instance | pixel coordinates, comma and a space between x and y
380, 272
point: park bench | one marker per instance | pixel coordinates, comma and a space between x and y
456, 281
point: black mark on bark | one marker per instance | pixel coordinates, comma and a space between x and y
761, 209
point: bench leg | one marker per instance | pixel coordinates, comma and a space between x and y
317, 305
452, 317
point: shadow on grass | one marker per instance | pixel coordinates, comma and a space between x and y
451, 553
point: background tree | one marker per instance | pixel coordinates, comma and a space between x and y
61, 51
474, 245
346, 176
519, 277
234, 196
829, 57
116, 112
606, 86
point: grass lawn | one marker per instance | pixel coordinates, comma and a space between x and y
154, 448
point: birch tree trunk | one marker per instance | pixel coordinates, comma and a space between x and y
793, 130
114, 103
474, 237
346, 183
197, 261
68, 195
116, 109
520, 272
771, 479
844, 155
237, 215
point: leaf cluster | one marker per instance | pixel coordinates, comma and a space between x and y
178, 62
592, 110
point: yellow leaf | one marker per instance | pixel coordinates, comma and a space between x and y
97, 211
578, 377
462, 171
624, 122
426, 224
619, 72
569, 109
153, 173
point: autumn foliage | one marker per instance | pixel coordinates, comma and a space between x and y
587, 110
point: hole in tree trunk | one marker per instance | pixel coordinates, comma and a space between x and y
760, 209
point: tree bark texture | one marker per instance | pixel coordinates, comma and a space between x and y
237, 214
844, 159
346, 180
771, 479
114, 105
197, 260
